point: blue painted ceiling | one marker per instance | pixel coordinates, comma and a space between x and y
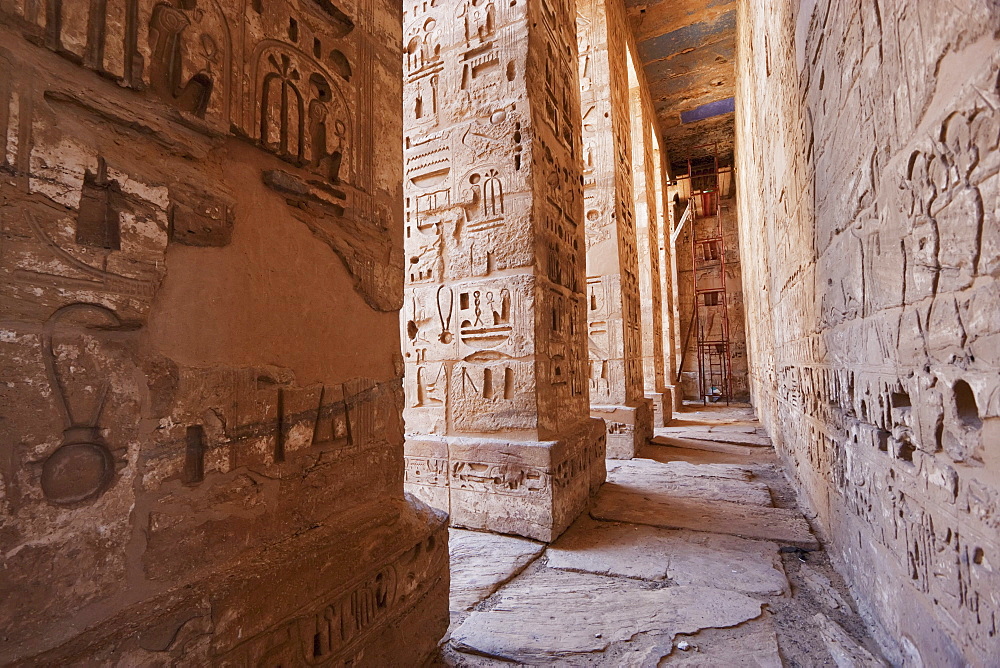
688, 49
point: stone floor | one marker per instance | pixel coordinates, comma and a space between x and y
693, 554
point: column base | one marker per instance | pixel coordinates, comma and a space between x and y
368, 588
678, 395
663, 407
526, 488
629, 427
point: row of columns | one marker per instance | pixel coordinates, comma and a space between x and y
533, 321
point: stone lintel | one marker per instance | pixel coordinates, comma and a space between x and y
526, 488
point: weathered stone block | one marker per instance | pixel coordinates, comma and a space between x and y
629, 428
494, 327
528, 488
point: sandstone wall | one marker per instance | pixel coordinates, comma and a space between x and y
868, 183
200, 273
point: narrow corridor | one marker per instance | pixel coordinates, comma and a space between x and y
694, 553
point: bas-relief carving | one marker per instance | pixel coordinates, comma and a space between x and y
605, 329
336, 627
274, 74
650, 237
83, 465
494, 249
127, 441
612, 259
490, 479
897, 397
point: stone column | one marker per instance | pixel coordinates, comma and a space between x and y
675, 216
200, 278
648, 231
613, 313
497, 416
665, 255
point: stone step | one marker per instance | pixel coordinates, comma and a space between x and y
738, 437
661, 508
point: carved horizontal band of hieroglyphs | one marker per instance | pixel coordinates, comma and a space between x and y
944, 412
620, 428
427, 471
935, 517
494, 478
288, 419
339, 623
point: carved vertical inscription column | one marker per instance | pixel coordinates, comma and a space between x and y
649, 232
497, 418
200, 439
613, 312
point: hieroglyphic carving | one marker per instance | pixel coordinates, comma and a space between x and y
495, 247
190, 56
612, 257
303, 115
335, 626
650, 231
160, 159
282, 77
82, 467
873, 367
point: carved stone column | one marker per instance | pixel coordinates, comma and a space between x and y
613, 311
497, 412
665, 255
200, 277
649, 235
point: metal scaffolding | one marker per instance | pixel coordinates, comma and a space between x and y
710, 317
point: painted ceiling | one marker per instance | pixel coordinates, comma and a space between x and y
688, 52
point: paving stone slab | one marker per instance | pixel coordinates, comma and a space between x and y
716, 434
551, 614
678, 441
708, 482
481, 562
629, 503
823, 589
753, 644
686, 557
